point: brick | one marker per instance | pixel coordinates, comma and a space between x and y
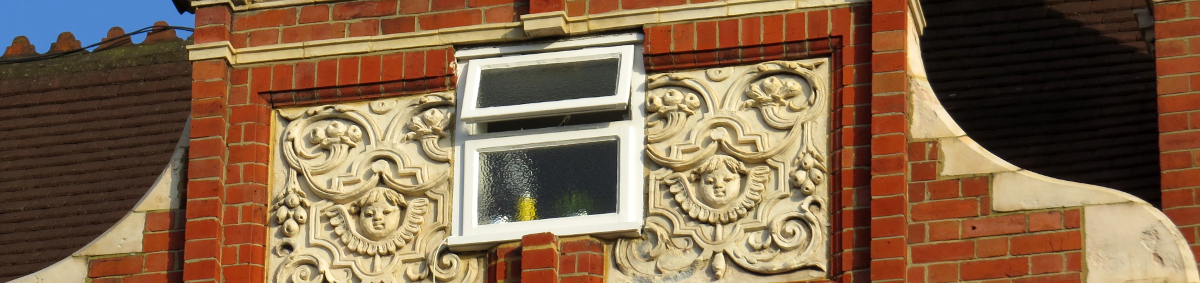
114, 266
599, 7
450, 19
1183, 216
363, 9
943, 230
162, 241
991, 226
888, 206
944, 189
1172, 85
543, 275
888, 41
916, 233
212, 15
924, 171
202, 229
887, 185
1043, 221
414, 65
943, 252
888, 144
364, 28
398, 25
584, 245
751, 31
1042, 264
887, 227
500, 14
264, 19
888, 124
148, 278
945, 209
888, 248
1043, 243
916, 192
544, 6
946, 272
201, 270
818, 24
888, 62
1175, 29
1074, 261
1172, 66
994, 268
1170, 48
1178, 198
991, 247
974, 186
893, 21
1181, 178
1173, 122
683, 37
887, 165
887, 269
314, 13
729, 34
794, 27
1164, 12
886, 6
889, 82
163, 261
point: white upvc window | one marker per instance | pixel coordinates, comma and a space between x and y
549, 138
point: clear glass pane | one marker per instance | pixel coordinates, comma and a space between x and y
547, 82
548, 182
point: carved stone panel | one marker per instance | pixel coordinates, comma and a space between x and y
361, 193
737, 176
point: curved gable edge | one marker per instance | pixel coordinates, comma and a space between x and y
126, 235
1125, 238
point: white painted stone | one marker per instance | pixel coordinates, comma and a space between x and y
737, 8
623, 19
962, 156
166, 191
692, 12
546, 24
1134, 242
929, 119
406, 40
123, 237
68, 270
1025, 190
212, 50
320, 50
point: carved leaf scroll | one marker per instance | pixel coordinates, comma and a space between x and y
737, 187
363, 194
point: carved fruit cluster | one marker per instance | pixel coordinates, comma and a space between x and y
291, 211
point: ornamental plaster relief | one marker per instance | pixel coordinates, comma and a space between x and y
737, 184
361, 194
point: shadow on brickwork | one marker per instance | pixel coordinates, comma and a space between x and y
1065, 88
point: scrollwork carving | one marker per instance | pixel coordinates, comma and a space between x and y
364, 194
737, 186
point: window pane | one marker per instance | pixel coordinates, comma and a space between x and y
548, 82
548, 182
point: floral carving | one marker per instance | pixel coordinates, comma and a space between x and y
364, 194
736, 188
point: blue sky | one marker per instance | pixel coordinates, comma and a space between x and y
42, 20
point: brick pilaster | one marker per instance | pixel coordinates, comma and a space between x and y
207, 153
1177, 48
889, 126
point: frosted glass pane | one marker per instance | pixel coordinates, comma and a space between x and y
548, 182
547, 82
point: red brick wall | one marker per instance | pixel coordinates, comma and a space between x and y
160, 260
1177, 48
953, 235
544, 257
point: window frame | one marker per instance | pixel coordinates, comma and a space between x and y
616, 101
470, 141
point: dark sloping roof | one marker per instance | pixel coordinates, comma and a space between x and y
1065, 88
85, 136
